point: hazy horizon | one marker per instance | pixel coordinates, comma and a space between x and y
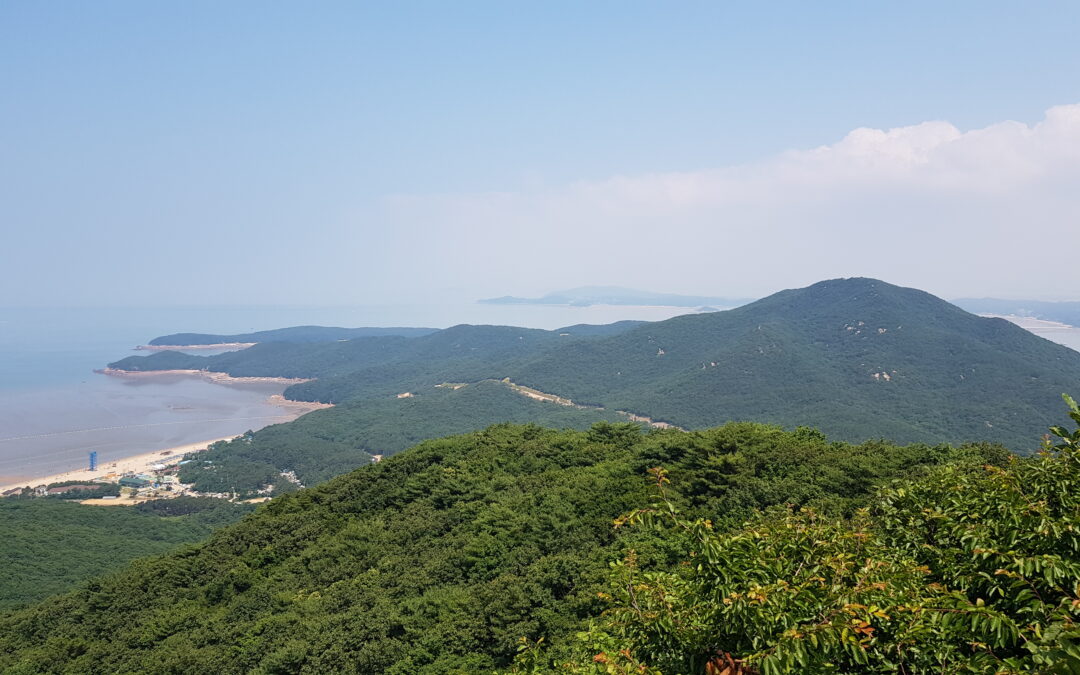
437, 298
242, 154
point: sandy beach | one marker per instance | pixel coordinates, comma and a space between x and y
141, 463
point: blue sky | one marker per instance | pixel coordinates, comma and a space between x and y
253, 152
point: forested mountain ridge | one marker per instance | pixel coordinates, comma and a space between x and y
459, 349
440, 559
855, 357
327, 443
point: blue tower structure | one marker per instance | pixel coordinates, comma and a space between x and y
93, 460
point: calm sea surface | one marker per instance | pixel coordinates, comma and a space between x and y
54, 409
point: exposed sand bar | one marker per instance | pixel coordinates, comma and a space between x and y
186, 348
1031, 323
220, 378
295, 407
141, 463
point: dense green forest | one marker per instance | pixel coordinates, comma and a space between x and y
328, 443
857, 358
442, 558
48, 546
291, 334
971, 569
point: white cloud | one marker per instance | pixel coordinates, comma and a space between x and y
988, 211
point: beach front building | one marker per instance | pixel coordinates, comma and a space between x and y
133, 482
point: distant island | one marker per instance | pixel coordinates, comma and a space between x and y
585, 296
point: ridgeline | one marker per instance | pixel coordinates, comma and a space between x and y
857, 358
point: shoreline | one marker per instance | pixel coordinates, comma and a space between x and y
219, 345
219, 378
140, 463
143, 462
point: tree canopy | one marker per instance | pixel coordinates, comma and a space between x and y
441, 558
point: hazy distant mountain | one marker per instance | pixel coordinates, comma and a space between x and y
1062, 312
615, 295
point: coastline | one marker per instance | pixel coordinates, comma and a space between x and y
143, 462
219, 378
219, 345
140, 463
